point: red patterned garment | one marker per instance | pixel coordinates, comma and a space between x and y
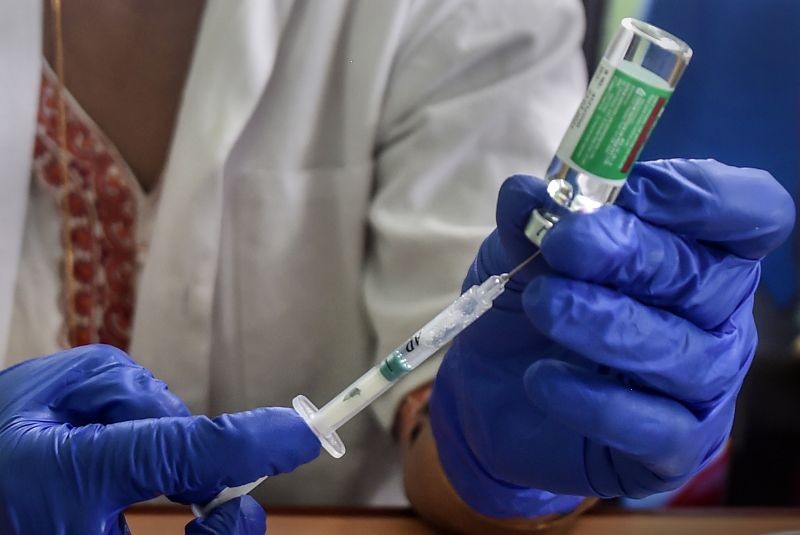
101, 224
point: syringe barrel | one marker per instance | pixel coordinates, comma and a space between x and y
350, 401
441, 330
626, 96
433, 336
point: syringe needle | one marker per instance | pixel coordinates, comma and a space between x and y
524, 263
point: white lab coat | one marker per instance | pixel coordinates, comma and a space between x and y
334, 169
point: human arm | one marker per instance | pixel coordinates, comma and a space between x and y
434, 497
86, 432
428, 488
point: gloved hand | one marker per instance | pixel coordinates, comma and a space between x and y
240, 516
611, 365
86, 432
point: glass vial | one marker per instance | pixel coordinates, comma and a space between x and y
626, 96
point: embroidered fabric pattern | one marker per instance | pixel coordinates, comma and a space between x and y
100, 224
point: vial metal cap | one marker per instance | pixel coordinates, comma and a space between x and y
560, 193
538, 226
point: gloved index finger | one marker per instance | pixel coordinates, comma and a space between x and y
651, 264
518, 197
744, 211
142, 459
659, 350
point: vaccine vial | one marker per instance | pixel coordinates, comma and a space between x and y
627, 94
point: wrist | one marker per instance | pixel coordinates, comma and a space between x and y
411, 413
434, 498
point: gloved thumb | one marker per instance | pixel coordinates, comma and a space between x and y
508, 246
519, 196
242, 516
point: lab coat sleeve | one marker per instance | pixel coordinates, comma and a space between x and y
478, 91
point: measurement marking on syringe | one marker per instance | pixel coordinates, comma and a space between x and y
413, 343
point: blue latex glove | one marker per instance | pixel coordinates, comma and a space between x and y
241, 516
611, 365
86, 432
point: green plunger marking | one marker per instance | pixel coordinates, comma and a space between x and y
393, 367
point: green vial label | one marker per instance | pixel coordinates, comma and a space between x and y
610, 128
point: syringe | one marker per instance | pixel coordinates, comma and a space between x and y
432, 337
625, 98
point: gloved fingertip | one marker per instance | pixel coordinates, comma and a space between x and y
286, 423
253, 516
743, 210
240, 516
521, 187
519, 196
309, 446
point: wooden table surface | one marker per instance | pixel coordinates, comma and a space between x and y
157, 521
